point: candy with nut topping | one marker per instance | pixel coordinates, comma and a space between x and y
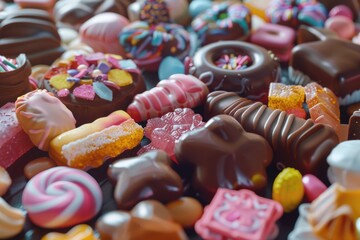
238, 215
14, 141
43, 117
296, 142
148, 176
179, 91
61, 197
224, 156
89, 145
12, 220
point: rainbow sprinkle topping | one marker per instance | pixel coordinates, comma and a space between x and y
233, 62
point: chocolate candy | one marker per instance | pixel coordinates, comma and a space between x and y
252, 82
340, 72
310, 34
225, 156
296, 142
354, 126
148, 176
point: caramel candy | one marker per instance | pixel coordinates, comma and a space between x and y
151, 208
38, 165
12, 220
224, 156
5, 181
296, 142
354, 126
148, 176
185, 211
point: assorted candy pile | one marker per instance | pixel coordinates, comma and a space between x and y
252, 132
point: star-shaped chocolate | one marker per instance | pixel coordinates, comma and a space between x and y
224, 156
148, 176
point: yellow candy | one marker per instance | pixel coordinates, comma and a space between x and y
79, 232
86, 81
120, 77
118, 57
288, 189
285, 97
59, 81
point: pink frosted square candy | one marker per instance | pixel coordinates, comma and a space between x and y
14, 142
238, 215
84, 91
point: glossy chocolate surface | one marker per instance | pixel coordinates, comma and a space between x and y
224, 144
332, 63
16, 82
310, 34
252, 82
296, 142
33, 32
148, 176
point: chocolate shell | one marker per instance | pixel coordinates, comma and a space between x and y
33, 32
296, 142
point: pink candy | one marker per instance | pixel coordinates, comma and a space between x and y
61, 197
341, 10
238, 215
165, 131
313, 187
179, 91
342, 26
14, 142
84, 91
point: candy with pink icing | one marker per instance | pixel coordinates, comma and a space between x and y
341, 10
277, 38
238, 215
313, 187
179, 91
14, 142
342, 26
12, 220
61, 197
43, 117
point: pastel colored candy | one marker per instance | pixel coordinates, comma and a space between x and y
343, 26
61, 197
253, 216
341, 10
179, 91
185, 211
169, 66
279, 39
5, 181
14, 141
43, 117
37, 165
81, 232
12, 220
91, 144
313, 187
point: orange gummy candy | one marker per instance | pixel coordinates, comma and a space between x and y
285, 97
79, 232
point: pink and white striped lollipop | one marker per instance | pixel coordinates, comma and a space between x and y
61, 197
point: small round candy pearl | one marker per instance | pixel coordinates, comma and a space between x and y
96, 73
81, 67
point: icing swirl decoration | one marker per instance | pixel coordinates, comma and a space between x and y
61, 197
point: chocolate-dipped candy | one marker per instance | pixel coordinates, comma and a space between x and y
148, 176
224, 156
296, 142
254, 68
310, 34
337, 69
30, 31
14, 78
147, 220
354, 126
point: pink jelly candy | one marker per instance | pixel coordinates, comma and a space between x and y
14, 142
84, 91
166, 130
238, 215
313, 187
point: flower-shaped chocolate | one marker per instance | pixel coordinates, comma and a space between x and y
225, 156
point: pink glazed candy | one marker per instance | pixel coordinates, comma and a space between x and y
342, 26
179, 91
313, 187
61, 197
14, 142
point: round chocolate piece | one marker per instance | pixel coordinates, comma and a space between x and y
251, 82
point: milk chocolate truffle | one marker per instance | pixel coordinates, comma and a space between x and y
296, 142
211, 65
332, 63
76, 12
30, 31
224, 156
148, 176
14, 83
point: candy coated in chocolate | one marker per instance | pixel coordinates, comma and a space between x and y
151, 208
224, 156
148, 176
